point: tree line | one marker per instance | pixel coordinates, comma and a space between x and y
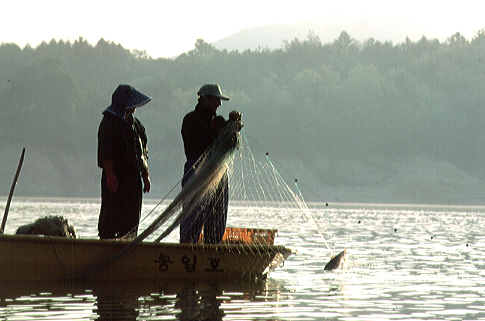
311, 103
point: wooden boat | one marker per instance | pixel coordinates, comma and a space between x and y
40, 258
245, 253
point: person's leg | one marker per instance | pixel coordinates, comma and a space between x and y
131, 207
108, 216
191, 227
215, 226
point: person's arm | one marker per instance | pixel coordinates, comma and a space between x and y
146, 181
111, 180
191, 136
105, 154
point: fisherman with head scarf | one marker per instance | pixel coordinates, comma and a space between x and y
123, 155
200, 127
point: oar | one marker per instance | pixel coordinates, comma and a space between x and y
2, 228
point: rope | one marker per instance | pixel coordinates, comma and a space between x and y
57, 254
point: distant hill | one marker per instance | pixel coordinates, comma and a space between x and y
328, 29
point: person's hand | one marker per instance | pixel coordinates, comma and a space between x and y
111, 180
235, 116
146, 182
112, 183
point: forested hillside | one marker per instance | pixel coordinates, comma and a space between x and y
371, 121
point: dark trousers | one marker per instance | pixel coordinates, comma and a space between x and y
120, 211
210, 213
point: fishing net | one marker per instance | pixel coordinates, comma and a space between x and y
261, 203
266, 206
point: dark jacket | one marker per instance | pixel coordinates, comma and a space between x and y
199, 129
124, 142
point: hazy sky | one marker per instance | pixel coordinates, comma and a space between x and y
169, 27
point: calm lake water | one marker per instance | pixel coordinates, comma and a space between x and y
403, 263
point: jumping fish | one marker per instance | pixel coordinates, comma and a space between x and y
335, 262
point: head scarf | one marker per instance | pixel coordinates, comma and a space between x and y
126, 97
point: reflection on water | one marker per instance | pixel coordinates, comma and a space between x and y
129, 301
199, 305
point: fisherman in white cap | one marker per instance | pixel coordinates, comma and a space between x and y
200, 127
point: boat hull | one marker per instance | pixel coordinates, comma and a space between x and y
40, 258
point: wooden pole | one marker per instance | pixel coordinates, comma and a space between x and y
7, 207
